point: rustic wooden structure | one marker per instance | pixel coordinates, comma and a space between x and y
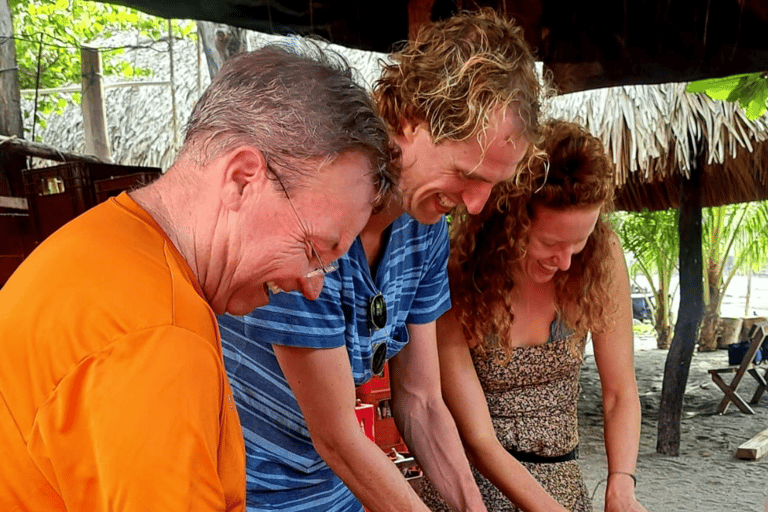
54, 195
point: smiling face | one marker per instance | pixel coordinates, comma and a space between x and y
554, 237
437, 177
331, 208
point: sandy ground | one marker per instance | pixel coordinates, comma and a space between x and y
706, 477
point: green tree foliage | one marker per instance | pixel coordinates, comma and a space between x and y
750, 90
653, 240
739, 231
49, 34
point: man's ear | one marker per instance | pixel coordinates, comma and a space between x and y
407, 129
245, 173
410, 128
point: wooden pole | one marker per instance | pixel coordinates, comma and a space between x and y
94, 117
10, 106
25, 147
199, 51
173, 88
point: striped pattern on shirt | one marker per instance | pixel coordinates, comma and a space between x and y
284, 472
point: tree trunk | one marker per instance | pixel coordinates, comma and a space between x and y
220, 42
749, 293
708, 332
691, 307
661, 321
11, 163
709, 325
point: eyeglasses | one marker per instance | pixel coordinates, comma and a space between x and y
377, 316
324, 269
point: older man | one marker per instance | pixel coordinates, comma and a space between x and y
461, 101
113, 393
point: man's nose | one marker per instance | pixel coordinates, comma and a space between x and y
474, 197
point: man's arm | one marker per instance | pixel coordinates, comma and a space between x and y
614, 355
465, 398
425, 422
321, 381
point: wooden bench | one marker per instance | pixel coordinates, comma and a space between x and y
758, 334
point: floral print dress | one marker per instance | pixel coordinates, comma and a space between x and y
533, 404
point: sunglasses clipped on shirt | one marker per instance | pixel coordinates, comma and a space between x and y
377, 316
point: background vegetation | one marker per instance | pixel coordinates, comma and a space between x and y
48, 36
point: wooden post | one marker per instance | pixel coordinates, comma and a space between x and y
173, 88
10, 107
94, 117
220, 42
678, 362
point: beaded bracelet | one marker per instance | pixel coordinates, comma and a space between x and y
634, 478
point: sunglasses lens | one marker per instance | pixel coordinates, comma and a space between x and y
378, 358
378, 311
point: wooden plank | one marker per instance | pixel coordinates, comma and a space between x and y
755, 448
18, 203
40, 150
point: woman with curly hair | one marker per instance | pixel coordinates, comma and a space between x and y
531, 276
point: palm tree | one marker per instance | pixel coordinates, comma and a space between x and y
740, 231
653, 240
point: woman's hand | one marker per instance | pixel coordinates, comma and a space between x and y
629, 504
620, 494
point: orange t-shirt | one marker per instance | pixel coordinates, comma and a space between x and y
113, 394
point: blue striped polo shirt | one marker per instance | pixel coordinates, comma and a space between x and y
284, 472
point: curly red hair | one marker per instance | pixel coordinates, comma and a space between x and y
486, 248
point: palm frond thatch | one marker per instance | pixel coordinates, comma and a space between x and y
657, 133
141, 127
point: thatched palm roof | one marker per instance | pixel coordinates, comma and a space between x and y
654, 133
657, 133
140, 119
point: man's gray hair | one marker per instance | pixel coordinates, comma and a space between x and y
297, 110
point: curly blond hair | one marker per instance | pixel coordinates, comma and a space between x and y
455, 72
487, 248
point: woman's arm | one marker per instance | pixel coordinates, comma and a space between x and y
465, 398
614, 355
